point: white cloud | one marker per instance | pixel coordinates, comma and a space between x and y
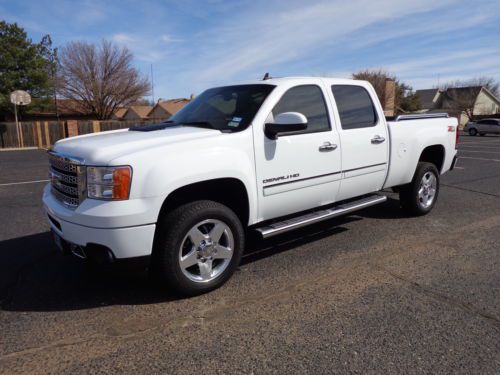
144, 48
253, 42
123, 38
169, 39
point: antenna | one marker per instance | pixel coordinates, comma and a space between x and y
266, 77
152, 85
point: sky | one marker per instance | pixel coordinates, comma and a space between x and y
193, 45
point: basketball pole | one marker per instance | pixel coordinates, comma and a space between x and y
17, 125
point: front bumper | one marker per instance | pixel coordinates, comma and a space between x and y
122, 242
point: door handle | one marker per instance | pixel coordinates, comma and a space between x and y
327, 146
378, 139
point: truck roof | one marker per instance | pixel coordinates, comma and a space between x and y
281, 80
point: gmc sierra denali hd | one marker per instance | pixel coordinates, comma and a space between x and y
269, 156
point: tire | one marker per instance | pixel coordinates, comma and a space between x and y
197, 247
473, 132
420, 195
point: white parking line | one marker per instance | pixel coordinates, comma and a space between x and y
482, 152
24, 182
494, 147
492, 141
469, 157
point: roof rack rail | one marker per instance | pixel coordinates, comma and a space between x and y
418, 116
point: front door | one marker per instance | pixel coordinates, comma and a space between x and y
364, 139
299, 170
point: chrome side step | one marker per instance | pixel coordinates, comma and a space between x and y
317, 216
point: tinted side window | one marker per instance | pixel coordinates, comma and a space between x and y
309, 101
355, 107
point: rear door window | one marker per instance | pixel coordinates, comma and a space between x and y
356, 109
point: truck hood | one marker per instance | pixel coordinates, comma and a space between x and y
102, 148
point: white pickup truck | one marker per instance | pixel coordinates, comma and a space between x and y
269, 156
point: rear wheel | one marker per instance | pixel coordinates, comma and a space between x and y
472, 132
198, 247
420, 195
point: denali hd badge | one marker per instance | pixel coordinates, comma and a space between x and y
280, 178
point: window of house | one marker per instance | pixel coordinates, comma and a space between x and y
356, 109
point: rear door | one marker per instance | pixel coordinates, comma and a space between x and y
364, 140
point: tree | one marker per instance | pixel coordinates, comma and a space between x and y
25, 65
461, 96
100, 77
405, 100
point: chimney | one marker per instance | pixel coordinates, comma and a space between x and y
191, 97
389, 98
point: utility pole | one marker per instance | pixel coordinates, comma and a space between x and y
152, 85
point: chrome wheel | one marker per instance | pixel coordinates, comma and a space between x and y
427, 190
206, 250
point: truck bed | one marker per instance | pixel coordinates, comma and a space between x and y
408, 133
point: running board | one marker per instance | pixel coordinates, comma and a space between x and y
317, 216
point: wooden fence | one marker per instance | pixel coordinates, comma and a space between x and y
44, 134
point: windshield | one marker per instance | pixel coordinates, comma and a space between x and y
230, 108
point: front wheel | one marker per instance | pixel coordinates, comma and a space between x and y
198, 247
420, 195
472, 132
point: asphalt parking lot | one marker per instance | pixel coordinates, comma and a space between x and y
375, 292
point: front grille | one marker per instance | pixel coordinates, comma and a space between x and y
67, 179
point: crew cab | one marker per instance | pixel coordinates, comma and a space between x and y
267, 156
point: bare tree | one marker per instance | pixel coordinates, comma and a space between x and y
462, 95
100, 77
404, 98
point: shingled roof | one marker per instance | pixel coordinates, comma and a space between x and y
137, 111
426, 97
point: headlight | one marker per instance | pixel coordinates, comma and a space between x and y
110, 183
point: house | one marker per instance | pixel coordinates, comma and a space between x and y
137, 112
460, 102
119, 113
166, 108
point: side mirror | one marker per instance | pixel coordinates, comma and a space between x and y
285, 122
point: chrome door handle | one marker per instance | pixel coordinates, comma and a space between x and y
327, 146
378, 139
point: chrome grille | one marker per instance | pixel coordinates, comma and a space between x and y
67, 178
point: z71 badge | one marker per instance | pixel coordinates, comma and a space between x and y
280, 178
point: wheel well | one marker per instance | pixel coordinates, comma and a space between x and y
230, 192
433, 154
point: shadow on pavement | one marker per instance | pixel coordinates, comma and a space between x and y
34, 276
